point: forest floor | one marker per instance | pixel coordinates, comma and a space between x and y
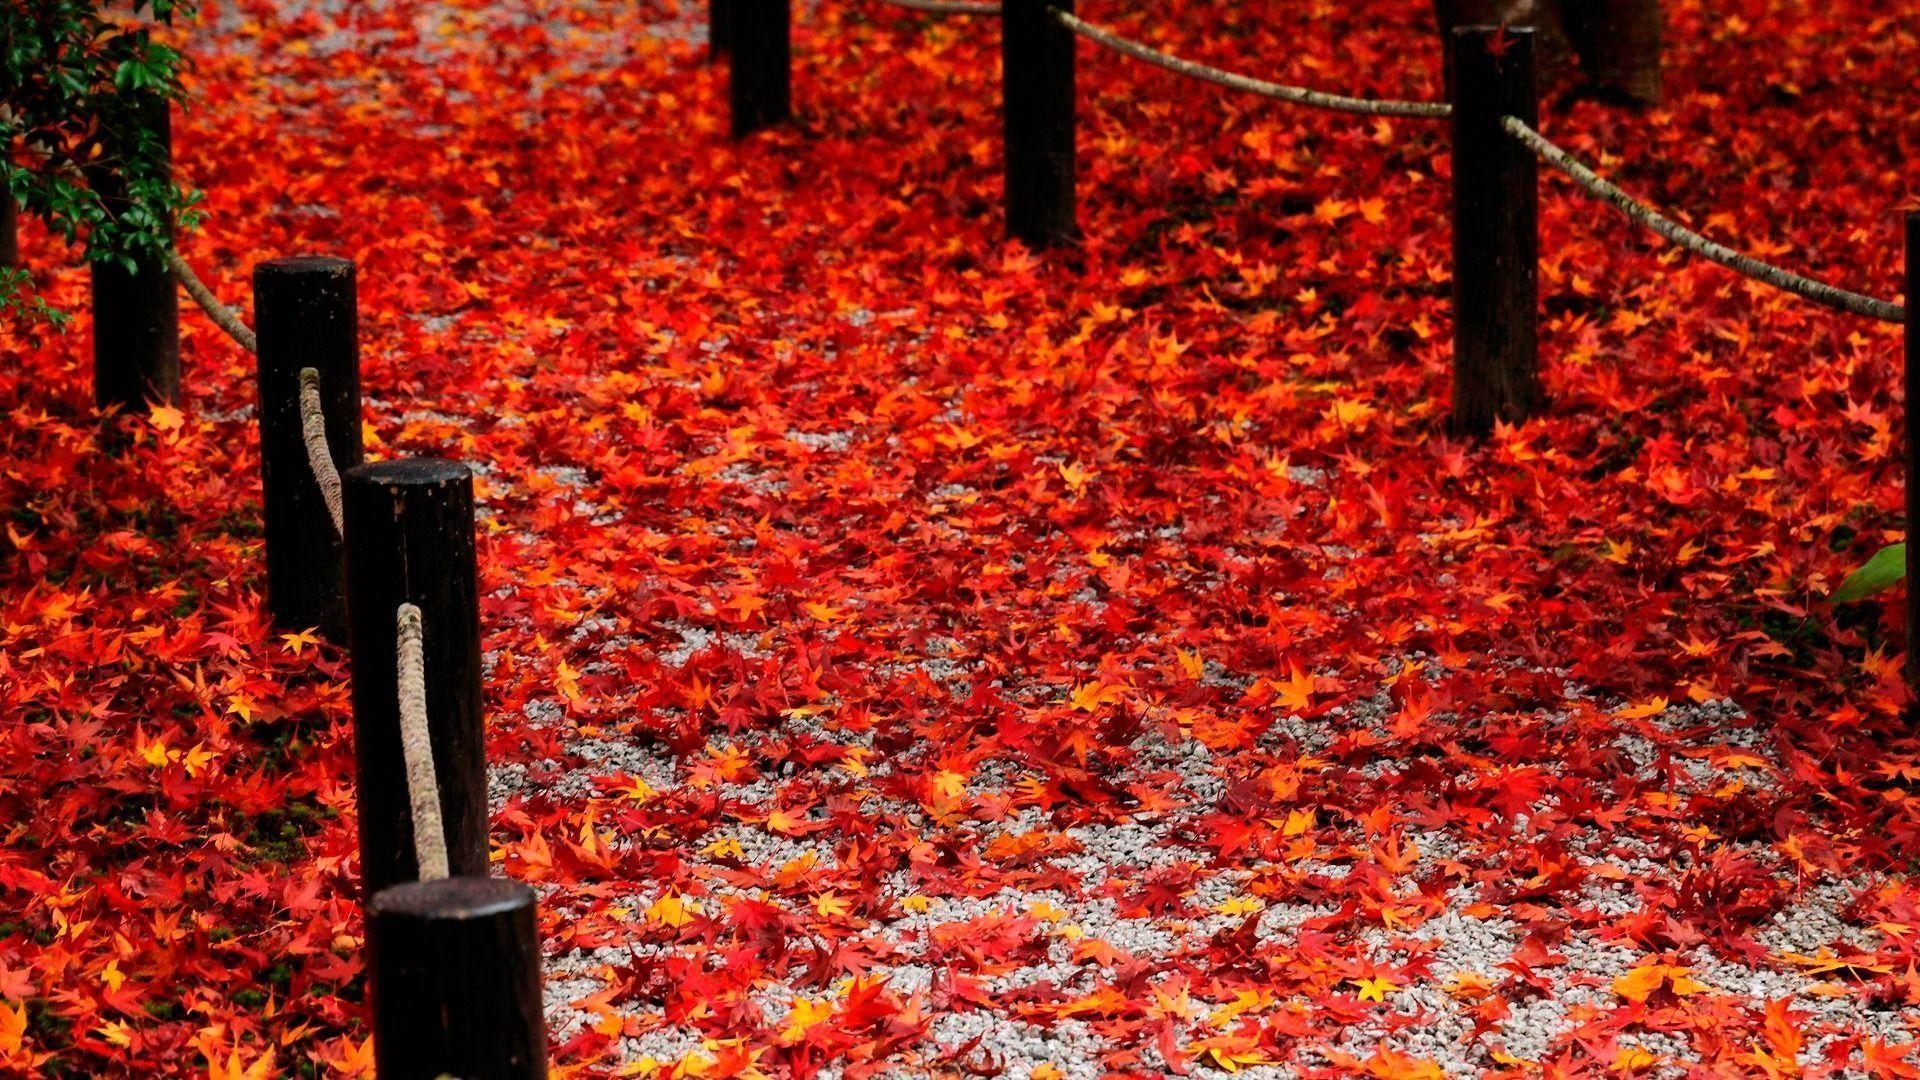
912, 655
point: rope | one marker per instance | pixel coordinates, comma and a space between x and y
1642, 214
222, 315
1298, 95
313, 428
946, 7
416, 743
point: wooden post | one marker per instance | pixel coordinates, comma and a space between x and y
410, 540
455, 974
9, 232
1495, 232
719, 28
1912, 380
761, 74
305, 318
1037, 109
136, 312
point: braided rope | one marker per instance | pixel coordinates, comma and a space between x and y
416, 744
313, 429
946, 7
222, 315
1298, 95
1642, 214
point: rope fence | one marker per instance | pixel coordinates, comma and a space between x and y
313, 432
1592, 183
222, 315
416, 742
416, 739
1642, 214
1298, 95
945, 7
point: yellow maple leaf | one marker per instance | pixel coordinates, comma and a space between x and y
1296, 694
1644, 709
1231, 1060
299, 641
155, 753
1240, 905
806, 1013
1090, 696
1351, 413
237, 1068
13, 1029
1640, 984
1375, 989
1468, 986
949, 786
117, 1032
672, 910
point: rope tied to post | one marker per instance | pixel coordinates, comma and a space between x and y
313, 428
1641, 214
416, 745
223, 316
946, 7
1298, 95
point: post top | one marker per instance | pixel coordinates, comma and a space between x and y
1489, 29
451, 898
331, 265
411, 472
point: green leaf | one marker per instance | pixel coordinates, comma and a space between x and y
1887, 566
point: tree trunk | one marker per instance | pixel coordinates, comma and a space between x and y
1619, 45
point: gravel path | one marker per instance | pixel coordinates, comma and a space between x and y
1076, 943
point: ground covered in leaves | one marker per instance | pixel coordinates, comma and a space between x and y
910, 655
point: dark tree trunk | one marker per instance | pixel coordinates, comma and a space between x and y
1619, 45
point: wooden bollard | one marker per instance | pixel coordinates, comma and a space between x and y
9, 233
1912, 380
719, 28
1037, 107
136, 312
1496, 243
305, 317
761, 74
455, 973
410, 540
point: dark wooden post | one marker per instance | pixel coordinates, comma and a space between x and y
305, 318
410, 540
1036, 60
136, 312
1912, 379
761, 74
1496, 239
455, 972
9, 232
719, 28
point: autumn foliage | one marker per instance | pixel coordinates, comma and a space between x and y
898, 639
